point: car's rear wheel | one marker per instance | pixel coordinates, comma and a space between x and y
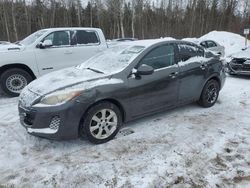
209, 94
101, 123
12, 81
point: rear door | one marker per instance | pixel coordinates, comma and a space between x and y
86, 44
159, 90
56, 57
193, 70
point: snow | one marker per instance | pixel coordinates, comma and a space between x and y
242, 54
186, 147
13, 47
58, 80
200, 60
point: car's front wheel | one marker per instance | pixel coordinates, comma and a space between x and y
101, 123
12, 81
209, 94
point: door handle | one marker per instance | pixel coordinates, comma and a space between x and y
173, 75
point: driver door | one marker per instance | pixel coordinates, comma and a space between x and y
58, 55
154, 92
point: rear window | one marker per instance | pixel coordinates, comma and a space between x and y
188, 51
211, 44
84, 37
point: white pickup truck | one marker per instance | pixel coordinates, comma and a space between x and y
45, 51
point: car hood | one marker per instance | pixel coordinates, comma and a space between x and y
10, 47
242, 55
62, 79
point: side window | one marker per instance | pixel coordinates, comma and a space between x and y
187, 51
59, 38
84, 37
160, 57
203, 44
211, 44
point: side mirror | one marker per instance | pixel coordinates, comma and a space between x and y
145, 70
45, 44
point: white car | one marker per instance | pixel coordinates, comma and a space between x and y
45, 51
214, 47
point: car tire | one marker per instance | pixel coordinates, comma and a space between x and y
101, 123
12, 81
209, 94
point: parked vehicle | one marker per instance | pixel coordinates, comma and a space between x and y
119, 85
115, 42
214, 47
240, 63
125, 39
45, 51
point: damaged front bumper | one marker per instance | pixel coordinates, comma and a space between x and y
238, 67
59, 122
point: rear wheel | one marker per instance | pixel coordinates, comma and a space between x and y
12, 81
209, 94
101, 123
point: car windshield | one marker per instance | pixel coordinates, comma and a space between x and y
112, 60
32, 38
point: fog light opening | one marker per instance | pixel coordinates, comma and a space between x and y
55, 123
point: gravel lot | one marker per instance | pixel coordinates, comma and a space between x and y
186, 147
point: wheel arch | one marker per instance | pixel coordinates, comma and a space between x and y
20, 66
111, 100
212, 77
216, 78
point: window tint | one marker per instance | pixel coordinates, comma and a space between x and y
211, 44
160, 57
204, 44
84, 37
58, 38
187, 51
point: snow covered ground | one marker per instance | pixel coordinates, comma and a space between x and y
186, 147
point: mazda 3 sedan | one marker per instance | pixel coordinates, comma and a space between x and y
121, 84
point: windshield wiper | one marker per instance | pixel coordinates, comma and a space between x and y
97, 71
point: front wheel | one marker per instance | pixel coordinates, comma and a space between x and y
101, 123
209, 94
12, 81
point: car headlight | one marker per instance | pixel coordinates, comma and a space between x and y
59, 98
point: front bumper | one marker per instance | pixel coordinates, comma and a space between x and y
53, 122
238, 67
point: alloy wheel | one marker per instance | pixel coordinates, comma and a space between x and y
103, 124
211, 93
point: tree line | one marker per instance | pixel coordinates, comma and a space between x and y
140, 19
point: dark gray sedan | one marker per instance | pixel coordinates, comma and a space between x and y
121, 84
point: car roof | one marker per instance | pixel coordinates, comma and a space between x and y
70, 28
150, 42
